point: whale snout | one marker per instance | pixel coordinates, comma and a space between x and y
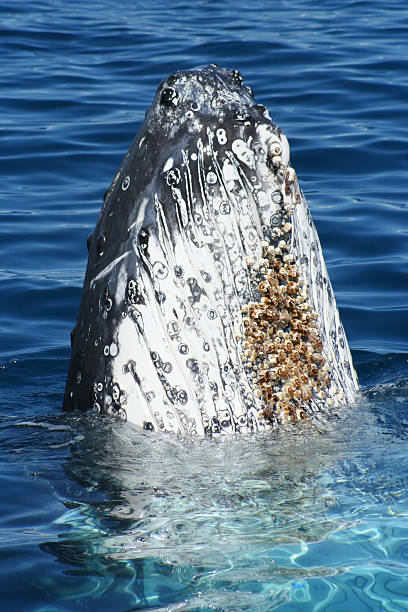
207, 307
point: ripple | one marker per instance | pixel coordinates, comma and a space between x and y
95, 513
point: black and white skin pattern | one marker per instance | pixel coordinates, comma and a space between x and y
204, 233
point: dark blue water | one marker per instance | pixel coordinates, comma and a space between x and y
96, 514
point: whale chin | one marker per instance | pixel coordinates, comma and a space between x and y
206, 306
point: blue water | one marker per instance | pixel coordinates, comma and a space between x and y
95, 514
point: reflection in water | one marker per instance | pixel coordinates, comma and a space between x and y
247, 521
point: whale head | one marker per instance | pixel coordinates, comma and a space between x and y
206, 306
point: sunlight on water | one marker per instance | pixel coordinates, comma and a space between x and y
310, 516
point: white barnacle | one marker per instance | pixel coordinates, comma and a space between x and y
243, 152
290, 175
221, 136
263, 200
211, 178
275, 148
125, 183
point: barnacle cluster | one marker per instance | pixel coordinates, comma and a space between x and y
282, 350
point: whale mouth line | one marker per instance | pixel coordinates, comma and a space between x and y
207, 307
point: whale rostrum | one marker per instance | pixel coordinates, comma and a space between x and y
206, 306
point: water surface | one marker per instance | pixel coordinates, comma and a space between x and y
96, 514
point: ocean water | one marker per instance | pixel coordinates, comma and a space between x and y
96, 514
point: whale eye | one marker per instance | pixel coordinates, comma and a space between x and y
236, 77
169, 96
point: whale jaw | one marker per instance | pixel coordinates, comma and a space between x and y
207, 307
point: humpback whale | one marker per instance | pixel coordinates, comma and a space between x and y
206, 306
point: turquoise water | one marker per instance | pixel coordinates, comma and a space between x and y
95, 514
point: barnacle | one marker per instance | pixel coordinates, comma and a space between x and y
282, 348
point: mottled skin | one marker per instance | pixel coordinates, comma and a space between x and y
204, 208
